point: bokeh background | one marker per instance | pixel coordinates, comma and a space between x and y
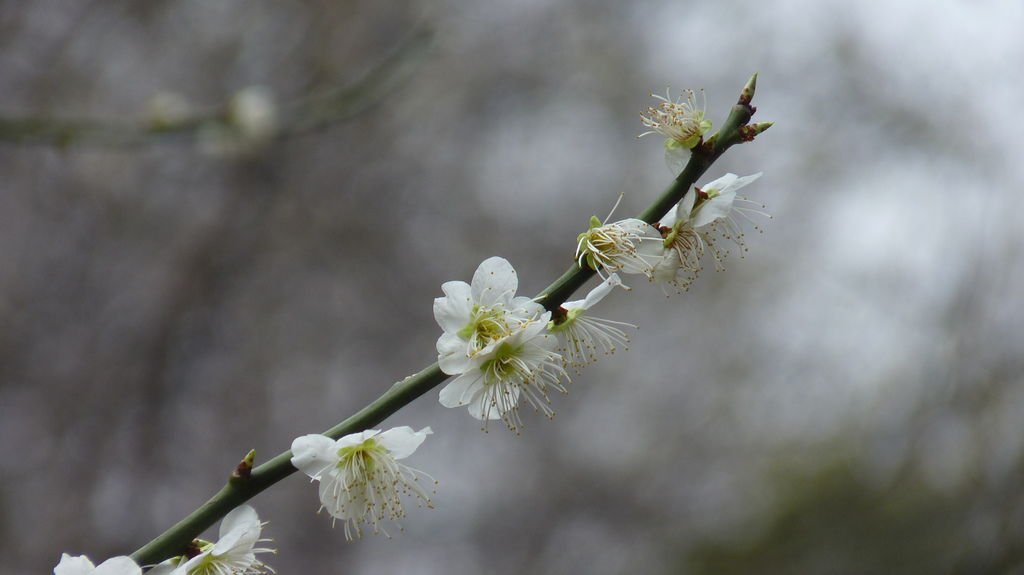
847, 399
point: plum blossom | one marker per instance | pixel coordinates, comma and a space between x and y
680, 121
253, 113
496, 343
234, 553
700, 221
583, 336
361, 480
523, 364
616, 247
476, 317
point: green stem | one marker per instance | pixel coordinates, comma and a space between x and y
175, 539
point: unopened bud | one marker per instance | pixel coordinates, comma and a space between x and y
244, 469
750, 131
748, 91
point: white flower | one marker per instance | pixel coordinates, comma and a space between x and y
250, 124
234, 553
702, 218
477, 317
681, 122
495, 342
680, 255
583, 335
82, 566
524, 364
616, 247
719, 200
253, 114
361, 481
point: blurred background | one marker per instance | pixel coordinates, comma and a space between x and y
847, 399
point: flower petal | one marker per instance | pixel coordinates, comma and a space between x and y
452, 354
452, 312
683, 209
730, 183
721, 184
174, 566
713, 209
460, 390
637, 227
313, 454
356, 438
524, 308
118, 566
495, 281
676, 158
546, 341
746, 180
597, 294
239, 530
403, 441
667, 267
528, 332
73, 565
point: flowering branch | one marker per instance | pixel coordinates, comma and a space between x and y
175, 124
242, 488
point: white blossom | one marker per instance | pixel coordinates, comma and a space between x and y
701, 220
234, 553
583, 335
476, 317
523, 364
682, 124
253, 114
81, 565
720, 200
616, 247
496, 344
680, 121
361, 480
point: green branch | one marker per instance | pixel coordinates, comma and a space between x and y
303, 115
239, 489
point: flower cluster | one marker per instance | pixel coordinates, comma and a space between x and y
503, 349
672, 252
498, 346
